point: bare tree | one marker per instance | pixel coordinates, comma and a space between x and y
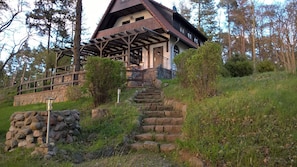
8, 15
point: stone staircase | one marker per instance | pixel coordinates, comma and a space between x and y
160, 125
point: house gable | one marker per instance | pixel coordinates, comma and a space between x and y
123, 14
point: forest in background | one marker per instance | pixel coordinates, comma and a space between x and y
258, 31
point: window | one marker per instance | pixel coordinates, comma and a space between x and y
123, 1
196, 40
125, 22
139, 18
189, 35
182, 30
176, 50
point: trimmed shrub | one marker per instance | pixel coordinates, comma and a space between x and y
103, 78
199, 69
239, 66
204, 68
265, 66
180, 61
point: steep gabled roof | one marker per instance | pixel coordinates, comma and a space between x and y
163, 15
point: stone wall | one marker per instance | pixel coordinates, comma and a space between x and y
40, 97
28, 129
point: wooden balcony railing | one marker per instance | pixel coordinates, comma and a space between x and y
67, 79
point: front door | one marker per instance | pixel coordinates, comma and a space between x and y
158, 56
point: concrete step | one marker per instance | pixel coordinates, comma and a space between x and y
141, 96
161, 137
153, 100
168, 129
153, 146
162, 121
154, 107
162, 114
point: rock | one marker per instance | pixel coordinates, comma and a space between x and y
196, 162
12, 129
69, 119
165, 84
11, 143
36, 125
66, 113
53, 121
99, 113
59, 135
60, 126
77, 158
26, 130
33, 113
60, 118
45, 113
157, 83
76, 116
37, 133
30, 145
76, 132
20, 135
28, 121
8, 135
37, 118
19, 124
27, 114
30, 138
69, 139
22, 143
19, 117
40, 140
7, 148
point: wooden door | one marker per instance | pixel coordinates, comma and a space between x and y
158, 56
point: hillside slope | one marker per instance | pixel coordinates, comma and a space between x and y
251, 122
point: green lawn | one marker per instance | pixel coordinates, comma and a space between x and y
109, 131
251, 122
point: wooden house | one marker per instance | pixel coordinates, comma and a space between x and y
142, 33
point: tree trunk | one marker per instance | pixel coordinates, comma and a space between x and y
77, 37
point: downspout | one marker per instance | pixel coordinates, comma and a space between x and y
172, 55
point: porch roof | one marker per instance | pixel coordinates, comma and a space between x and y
116, 45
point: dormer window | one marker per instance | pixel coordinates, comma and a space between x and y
125, 22
123, 1
196, 40
182, 30
139, 18
189, 35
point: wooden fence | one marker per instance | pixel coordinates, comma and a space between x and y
68, 79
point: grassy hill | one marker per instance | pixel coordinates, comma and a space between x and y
251, 122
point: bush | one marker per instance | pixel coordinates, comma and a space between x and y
199, 68
104, 77
265, 66
180, 61
239, 66
74, 93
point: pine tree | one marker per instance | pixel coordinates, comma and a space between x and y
205, 11
50, 17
